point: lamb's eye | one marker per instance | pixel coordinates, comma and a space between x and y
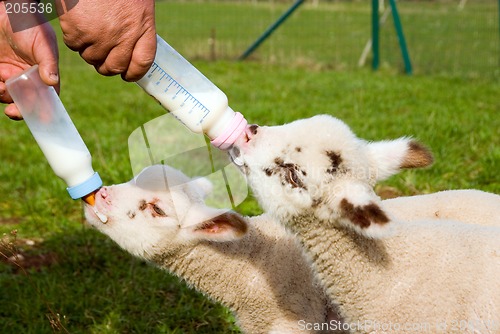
292, 178
157, 211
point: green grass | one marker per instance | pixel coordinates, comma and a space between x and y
440, 37
79, 280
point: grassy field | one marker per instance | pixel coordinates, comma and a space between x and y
441, 38
74, 280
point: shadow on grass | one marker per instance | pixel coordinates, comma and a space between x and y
83, 283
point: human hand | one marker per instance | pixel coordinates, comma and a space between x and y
23, 49
117, 37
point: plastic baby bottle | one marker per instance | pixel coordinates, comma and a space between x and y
55, 133
191, 97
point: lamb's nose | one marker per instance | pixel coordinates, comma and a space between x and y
251, 131
104, 192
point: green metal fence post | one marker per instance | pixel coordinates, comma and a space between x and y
401, 37
270, 30
375, 34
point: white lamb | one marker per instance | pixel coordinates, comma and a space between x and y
251, 265
434, 275
467, 206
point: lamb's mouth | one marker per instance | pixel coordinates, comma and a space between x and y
235, 156
92, 210
102, 217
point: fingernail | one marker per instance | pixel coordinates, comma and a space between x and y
54, 77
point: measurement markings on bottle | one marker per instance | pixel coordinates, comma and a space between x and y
162, 77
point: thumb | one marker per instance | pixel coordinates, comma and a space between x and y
48, 69
47, 57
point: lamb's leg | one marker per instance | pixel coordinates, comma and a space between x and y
468, 206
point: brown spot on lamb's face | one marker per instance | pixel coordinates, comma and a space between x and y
336, 160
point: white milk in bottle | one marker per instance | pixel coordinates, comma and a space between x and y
55, 133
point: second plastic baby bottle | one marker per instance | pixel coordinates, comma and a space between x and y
191, 97
55, 133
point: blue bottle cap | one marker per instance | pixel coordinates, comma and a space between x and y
91, 184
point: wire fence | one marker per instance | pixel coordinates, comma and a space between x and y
448, 37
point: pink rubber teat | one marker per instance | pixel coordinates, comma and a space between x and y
232, 132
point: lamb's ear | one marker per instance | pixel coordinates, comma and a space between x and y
361, 210
225, 227
390, 156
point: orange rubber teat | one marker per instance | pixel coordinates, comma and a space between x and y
89, 199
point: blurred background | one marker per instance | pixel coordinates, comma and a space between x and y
451, 37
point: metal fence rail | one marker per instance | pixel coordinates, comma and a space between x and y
459, 37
